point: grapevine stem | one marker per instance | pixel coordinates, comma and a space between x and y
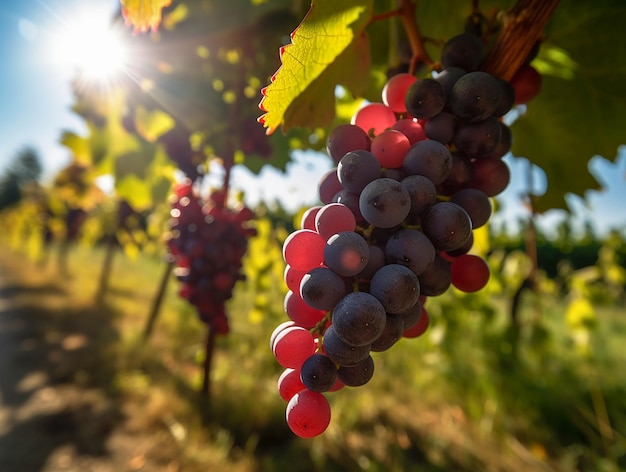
386, 15
319, 327
523, 26
156, 304
208, 358
407, 15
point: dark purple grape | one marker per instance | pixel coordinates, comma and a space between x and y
475, 96
448, 77
341, 352
351, 200
503, 146
460, 174
441, 127
328, 186
475, 203
392, 333
384, 203
436, 279
422, 191
464, 50
429, 158
447, 225
464, 249
358, 375
507, 97
346, 253
357, 169
410, 248
346, 138
425, 98
396, 287
395, 174
358, 319
321, 288
380, 236
318, 373
411, 316
375, 261
474, 139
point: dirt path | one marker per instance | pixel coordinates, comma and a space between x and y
54, 413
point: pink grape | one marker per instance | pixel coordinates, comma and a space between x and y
281, 327
308, 218
293, 277
289, 383
334, 218
308, 414
390, 147
293, 346
395, 90
412, 129
374, 116
302, 314
304, 249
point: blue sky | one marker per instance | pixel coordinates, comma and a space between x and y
34, 91
35, 100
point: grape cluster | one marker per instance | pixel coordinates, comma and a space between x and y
207, 243
413, 178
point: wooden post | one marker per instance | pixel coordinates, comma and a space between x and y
158, 300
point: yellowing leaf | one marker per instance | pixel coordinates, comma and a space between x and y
328, 48
143, 14
78, 145
580, 313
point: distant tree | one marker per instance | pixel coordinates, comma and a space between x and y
24, 168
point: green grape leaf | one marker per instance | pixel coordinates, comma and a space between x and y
328, 48
135, 190
143, 177
151, 125
143, 15
582, 101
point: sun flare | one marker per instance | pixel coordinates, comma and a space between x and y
88, 43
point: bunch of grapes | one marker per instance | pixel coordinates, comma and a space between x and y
413, 178
207, 243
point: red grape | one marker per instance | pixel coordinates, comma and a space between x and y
308, 414
469, 273
374, 117
395, 90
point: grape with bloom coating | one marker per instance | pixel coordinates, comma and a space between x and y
359, 319
384, 203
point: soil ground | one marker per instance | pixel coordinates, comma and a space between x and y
56, 413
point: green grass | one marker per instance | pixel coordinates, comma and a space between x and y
468, 395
